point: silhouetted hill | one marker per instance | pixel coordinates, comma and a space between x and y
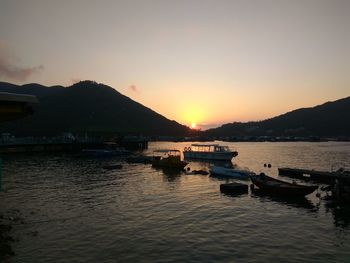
328, 119
34, 89
87, 107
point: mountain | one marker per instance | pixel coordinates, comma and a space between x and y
87, 107
328, 119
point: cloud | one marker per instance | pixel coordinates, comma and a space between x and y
10, 71
17, 73
133, 88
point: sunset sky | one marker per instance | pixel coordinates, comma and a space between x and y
204, 62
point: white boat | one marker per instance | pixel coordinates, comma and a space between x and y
230, 172
209, 152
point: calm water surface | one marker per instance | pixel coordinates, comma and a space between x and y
74, 211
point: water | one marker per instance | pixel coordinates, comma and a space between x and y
74, 211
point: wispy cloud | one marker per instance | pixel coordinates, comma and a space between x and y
9, 70
133, 88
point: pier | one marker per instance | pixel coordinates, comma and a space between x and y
68, 144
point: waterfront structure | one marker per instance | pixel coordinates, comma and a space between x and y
14, 106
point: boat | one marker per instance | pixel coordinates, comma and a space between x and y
103, 152
230, 172
274, 186
109, 149
169, 159
209, 152
319, 176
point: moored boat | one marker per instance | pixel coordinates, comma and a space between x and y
209, 152
108, 149
170, 159
103, 152
277, 187
314, 175
230, 172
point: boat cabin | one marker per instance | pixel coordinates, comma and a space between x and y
208, 148
173, 154
169, 159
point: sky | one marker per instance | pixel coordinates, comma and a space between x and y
193, 61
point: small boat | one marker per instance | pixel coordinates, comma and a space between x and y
277, 187
108, 149
209, 152
170, 159
230, 172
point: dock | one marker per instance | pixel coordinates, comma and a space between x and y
64, 144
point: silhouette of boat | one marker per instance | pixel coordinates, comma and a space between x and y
108, 149
277, 187
170, 159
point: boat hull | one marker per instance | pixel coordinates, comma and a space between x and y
165, 163
276, 187
222, 156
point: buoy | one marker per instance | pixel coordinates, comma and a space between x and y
264, 164
269, 165
318, 195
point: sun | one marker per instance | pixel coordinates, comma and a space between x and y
193, 125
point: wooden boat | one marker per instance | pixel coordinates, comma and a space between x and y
209, 152
273, 186
170, 159
230, 172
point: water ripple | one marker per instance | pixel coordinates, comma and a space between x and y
82, 213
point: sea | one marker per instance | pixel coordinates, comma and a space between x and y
64, 208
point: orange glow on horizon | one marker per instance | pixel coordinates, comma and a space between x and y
193, 125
